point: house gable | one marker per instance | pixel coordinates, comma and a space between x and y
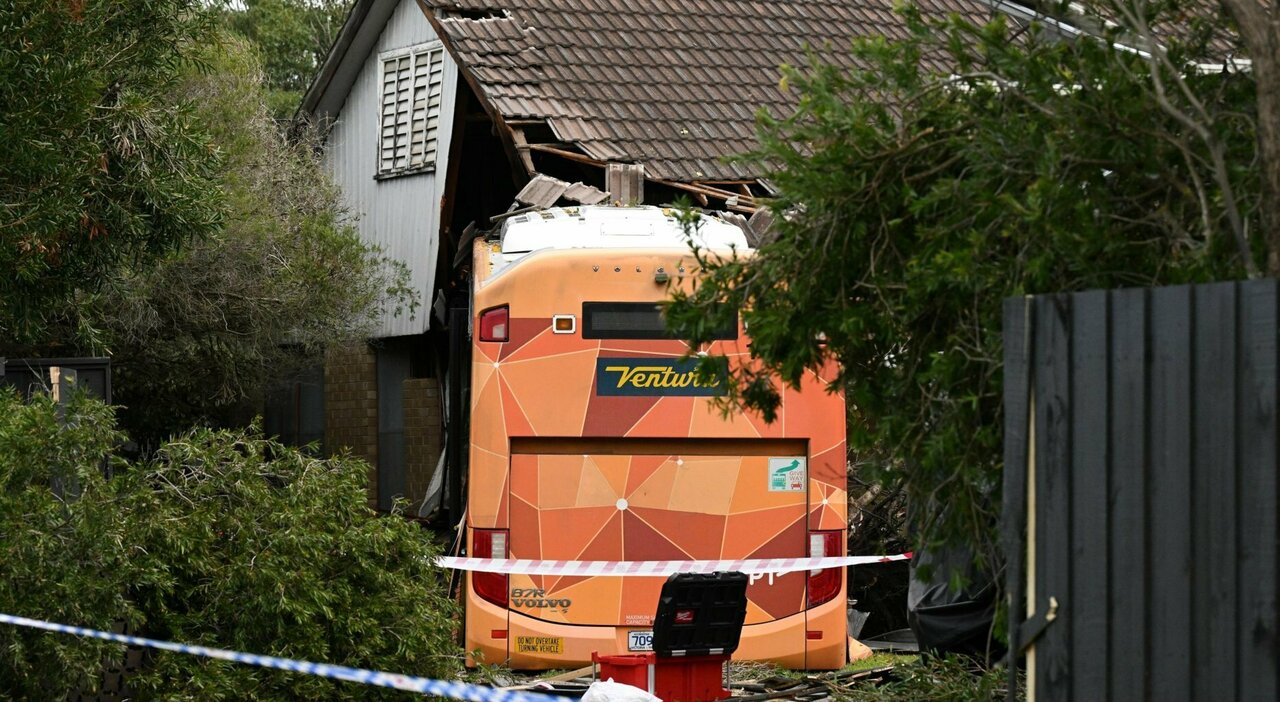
398, 79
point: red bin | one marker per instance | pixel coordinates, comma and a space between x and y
674, 679
690, 678
634, 669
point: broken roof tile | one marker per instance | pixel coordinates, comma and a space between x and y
674, 85
585, 194
542, 191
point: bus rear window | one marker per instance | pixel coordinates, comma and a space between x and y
634, 320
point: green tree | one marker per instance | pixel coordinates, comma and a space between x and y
99, 165
63, 560
154, 212
198, 334
235, 525
223, 539
913, 201
292, 37
1258, 25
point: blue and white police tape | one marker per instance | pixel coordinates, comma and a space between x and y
441, 688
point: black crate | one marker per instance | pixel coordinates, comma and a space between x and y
700, 614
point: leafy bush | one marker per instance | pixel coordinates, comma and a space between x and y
912, 201
257, 547
223, 539
99, 165
197, 334
198, 327
60, 560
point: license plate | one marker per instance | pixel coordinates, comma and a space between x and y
639, 640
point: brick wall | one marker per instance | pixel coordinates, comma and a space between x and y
422, 435
351, 406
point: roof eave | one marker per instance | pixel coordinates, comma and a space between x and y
323, 85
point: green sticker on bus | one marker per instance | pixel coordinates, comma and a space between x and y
787, 474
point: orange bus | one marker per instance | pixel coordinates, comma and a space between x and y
591, 440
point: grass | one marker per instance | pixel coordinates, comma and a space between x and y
881, 660
743, 671
934, 679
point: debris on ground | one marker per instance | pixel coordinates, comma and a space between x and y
901, 641
858, 651
748, 682
810, 687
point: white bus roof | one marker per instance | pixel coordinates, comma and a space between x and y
604, 227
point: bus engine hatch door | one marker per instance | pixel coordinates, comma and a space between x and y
618, 506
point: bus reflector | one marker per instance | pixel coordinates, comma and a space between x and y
490, 543
564, 324
823, 584
493, 324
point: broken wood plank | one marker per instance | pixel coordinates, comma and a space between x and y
582, 672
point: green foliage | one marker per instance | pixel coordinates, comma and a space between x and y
237, 525
292, 37
223, 539
912, 203
196, 335
951, 679
63, 560
168, 141
98, 164
913, 678
883, 659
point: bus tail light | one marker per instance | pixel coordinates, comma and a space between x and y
824, 584
489, 543
493, 324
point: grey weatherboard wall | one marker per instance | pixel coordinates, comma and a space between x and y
1141, 492
399, 214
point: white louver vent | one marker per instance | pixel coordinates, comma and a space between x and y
410, 118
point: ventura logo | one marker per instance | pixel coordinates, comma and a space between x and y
655, 376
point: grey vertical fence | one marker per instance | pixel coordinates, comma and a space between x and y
1140, 514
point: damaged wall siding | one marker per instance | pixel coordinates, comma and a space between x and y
400, 214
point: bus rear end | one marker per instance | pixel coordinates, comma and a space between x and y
593, 440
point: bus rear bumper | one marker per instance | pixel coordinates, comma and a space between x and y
814, 640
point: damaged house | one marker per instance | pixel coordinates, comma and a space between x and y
442, 115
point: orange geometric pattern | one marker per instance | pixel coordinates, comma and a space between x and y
647, 508
621, 503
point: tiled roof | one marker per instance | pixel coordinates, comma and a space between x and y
671, 84
1223, 43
